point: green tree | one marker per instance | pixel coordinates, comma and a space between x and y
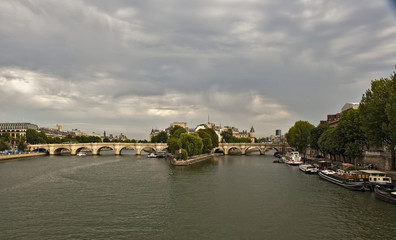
22, 145
351, 129
227, 135
213, 135
325, 141
173, 144
176, 131
3, 145
192, 143
32, 136
378, 115
183, 155
298, 136
162, 137
206, 140
315, 135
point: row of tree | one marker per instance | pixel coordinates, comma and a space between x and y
8, 142
373, 124
183, 144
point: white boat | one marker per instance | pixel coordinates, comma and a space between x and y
152, 155
294, 159
80, 154
378, 178
308, 168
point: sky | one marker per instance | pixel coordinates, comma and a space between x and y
126, 66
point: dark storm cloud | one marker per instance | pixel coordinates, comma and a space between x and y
128, 66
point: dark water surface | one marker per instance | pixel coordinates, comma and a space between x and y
131, 197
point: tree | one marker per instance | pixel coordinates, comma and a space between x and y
315, 135
206, 140
350, 126
174, 144
378, 115
3, 145
227, 135
299, 135
32, 136
176, 131
22, 145
325, 141
183, 155
162, 137
192, 143
213, 135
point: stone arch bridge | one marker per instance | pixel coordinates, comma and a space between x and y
247, 147
95, 148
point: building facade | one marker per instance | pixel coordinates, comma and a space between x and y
16, 129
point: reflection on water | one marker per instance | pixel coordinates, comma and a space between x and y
135, 197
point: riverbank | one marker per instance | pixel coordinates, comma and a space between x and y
19, 156
194, 159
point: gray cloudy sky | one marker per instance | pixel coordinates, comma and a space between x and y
129, 66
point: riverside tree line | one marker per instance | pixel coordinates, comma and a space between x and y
371, 126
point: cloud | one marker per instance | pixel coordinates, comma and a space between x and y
130, 66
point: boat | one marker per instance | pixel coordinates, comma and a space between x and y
385, 194
294, 159
308, 168
152, 155
161, 154
378, 178
81, 154
353, 180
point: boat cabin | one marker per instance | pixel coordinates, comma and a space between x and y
295, 156
324, 165
378, 178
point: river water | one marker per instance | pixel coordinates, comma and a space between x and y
134, 197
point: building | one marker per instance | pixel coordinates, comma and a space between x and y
16, 129
154, 132
333, 119
349, 106
181, 124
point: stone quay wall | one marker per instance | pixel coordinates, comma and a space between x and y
19, 156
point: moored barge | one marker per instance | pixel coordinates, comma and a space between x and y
354, 180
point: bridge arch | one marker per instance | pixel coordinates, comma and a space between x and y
128, 148
40, 150
76, 151
147, 149
266, 149
218, 150
235, 148
254, 149
58, 151
97, 151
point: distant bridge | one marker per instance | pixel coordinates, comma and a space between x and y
247, 147
95, 148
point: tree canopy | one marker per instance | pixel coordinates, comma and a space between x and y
299, 135
378, 114
162, 137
